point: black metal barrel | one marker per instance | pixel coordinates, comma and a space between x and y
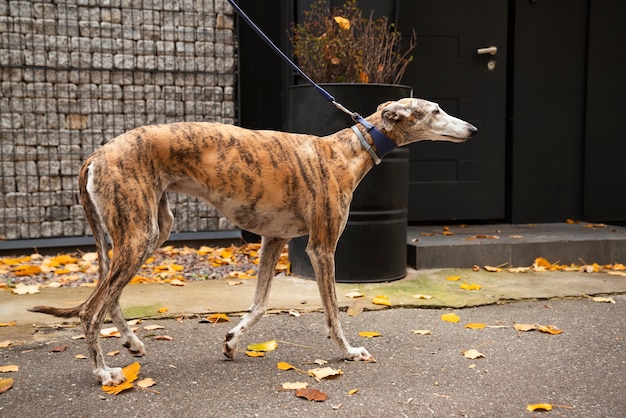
373, 245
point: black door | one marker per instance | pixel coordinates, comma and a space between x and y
459, 181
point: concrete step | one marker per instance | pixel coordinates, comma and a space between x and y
463, 246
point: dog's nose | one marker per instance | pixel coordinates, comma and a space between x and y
473, 130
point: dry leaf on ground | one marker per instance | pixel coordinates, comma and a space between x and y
6, 384
355, 309
153, 327
422, 331
324, 372
549, 329
218, 317
470, 286
311, 395
472, 354
450, 317
9, 368
294, 385
131, 372
475, 325
22, 289
369, 334
284, 366
603, 299
7, 324
354, 295
539, 406
381, 300
265, 346
146, 383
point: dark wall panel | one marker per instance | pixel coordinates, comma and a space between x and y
605, 156
548, 110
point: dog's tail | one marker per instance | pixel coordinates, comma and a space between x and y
60, 312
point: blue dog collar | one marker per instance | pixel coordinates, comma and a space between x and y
384, 145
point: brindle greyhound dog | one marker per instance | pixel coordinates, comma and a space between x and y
276, 184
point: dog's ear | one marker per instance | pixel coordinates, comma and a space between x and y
392, 113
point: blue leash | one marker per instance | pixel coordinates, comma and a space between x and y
383, 144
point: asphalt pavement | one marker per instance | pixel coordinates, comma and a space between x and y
580, 372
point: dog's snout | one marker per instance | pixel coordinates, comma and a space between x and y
473, 130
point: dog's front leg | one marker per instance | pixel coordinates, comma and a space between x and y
129, 339
323, 262
271, 249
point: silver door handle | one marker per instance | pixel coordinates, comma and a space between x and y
490, 50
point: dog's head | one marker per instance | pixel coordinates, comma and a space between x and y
411, 120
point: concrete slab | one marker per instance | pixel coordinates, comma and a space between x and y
517, 245
293, 293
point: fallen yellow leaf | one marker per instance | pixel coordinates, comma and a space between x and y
369, 334
163, 310
353, 391
255, 354
80, 357
450, 317
6, 384
219, 317
26, 270
7, 324
265, 346
470, 286
131, 372
540, 406
453, 278
284, 366
549, 329
381, 300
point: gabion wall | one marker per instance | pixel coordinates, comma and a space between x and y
76, 73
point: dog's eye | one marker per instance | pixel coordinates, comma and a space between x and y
436, 111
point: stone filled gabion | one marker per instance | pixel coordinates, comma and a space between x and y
76, 73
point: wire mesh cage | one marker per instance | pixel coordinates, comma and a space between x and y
75, 74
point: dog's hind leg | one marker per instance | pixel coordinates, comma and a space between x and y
129, 339
271, 249
323, 261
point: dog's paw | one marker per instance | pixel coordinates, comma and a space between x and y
135, 347
360, 354
228, 346
109, 376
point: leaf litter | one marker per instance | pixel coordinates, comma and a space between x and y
167, 265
